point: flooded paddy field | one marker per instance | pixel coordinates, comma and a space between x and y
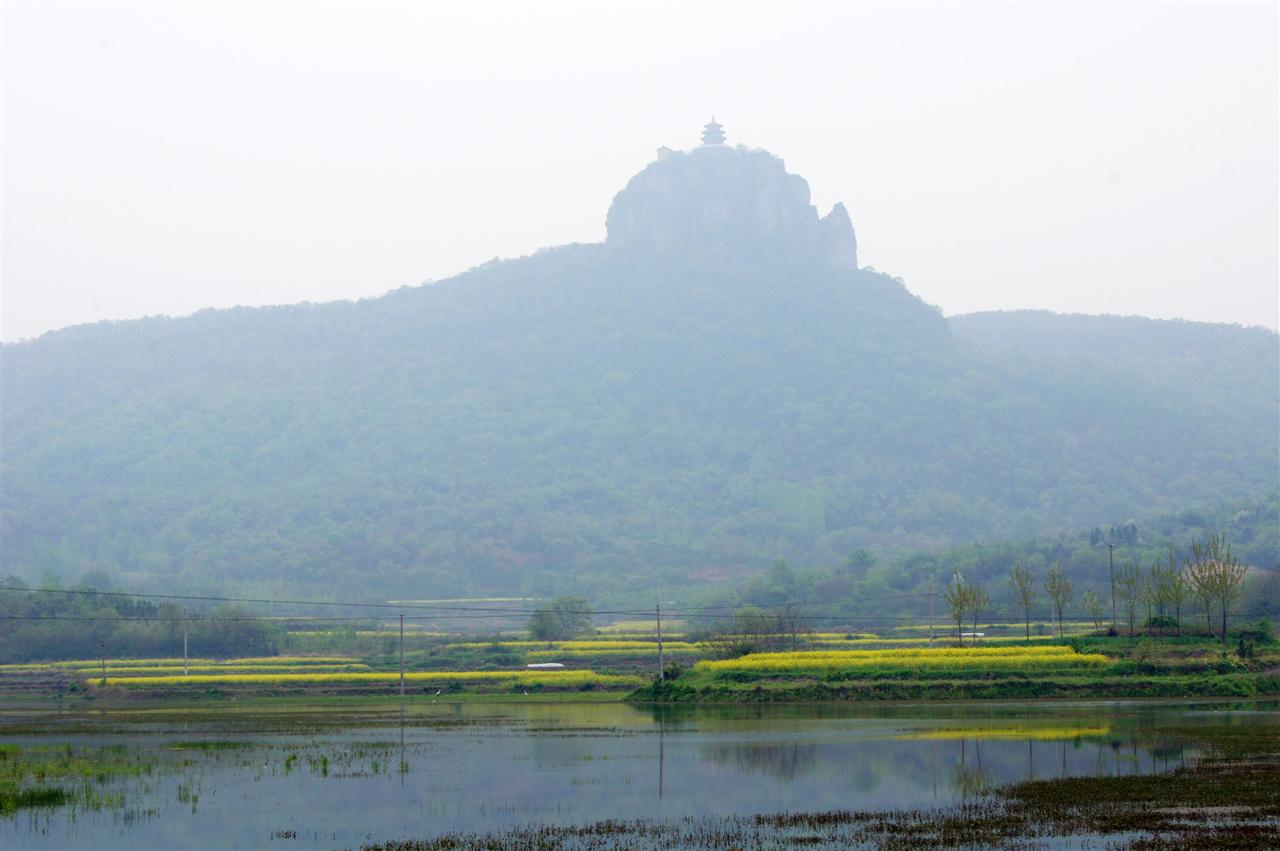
349, 774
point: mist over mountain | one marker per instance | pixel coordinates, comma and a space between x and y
716, 385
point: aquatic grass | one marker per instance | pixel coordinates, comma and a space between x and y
12, 800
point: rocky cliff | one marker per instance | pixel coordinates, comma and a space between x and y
718, 201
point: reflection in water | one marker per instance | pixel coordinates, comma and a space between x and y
661, 742
329, 774
783, 762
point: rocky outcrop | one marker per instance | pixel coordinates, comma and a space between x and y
838, 239
722, 201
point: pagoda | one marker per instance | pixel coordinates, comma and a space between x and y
713, 133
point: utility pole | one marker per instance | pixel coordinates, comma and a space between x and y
186, 669
103, 645
402, 655
657, 611
1111, 560
930, 612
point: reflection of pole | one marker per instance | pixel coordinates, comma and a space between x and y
1031, 762
660, 756
934, 748
657, 611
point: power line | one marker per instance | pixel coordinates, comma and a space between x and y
684, 613
431, 608
285, 602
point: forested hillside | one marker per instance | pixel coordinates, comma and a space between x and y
662, 407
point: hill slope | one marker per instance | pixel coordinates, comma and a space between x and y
714, 386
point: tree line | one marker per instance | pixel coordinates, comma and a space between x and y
88, 625
1211, 580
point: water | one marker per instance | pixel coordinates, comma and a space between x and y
322, 777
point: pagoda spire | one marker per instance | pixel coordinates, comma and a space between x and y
713, 133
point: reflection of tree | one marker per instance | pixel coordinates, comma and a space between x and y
784, 762
969, 776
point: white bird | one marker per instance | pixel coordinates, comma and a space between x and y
438, 691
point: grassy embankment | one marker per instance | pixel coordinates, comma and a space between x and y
1079, 667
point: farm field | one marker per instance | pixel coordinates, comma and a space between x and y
164, 677
816, 666
1078, 667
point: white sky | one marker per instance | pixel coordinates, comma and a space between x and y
1095, 158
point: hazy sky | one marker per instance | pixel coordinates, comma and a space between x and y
1096, 158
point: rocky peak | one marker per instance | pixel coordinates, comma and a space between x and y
716, 200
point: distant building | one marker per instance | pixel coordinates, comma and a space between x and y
664, 152
713, 133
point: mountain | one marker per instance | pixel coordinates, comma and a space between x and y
716, 385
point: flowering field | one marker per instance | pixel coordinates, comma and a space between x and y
96, 664
576, 645
642, 629
909, 661
163, 670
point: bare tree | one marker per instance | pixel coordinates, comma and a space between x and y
1217, 576
1129, 592
755, 630
1177, 589
1023, 583
791, 623
1151, 592
979, 599
1059, 588
960, 599
1096, 607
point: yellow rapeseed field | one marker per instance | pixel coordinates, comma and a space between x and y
575, 645
160, 670
644, 627
648, 650
1002, 658
137, 663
